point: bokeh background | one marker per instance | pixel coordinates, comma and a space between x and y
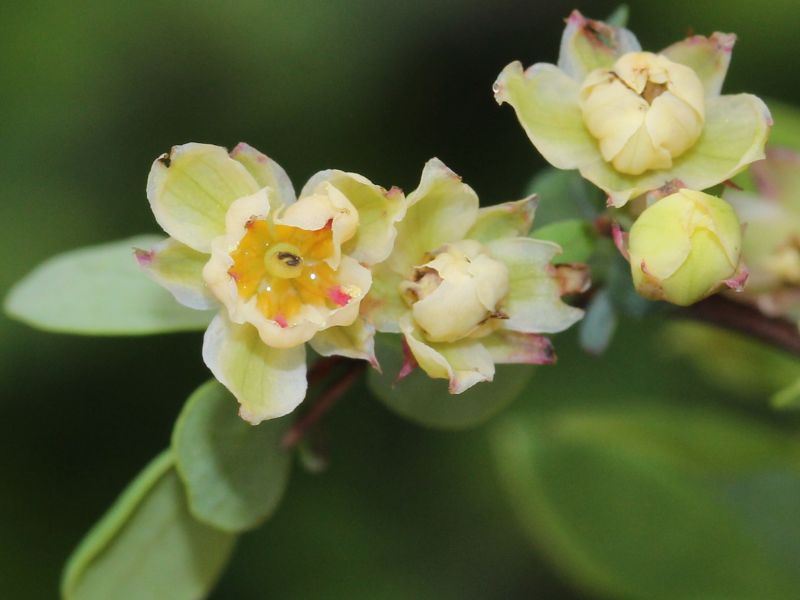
92, 91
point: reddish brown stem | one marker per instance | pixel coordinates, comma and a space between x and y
324, 403
322, 369
746, 319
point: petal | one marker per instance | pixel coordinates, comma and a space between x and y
267, 173
778, 177
353, 341
509, 219
216, 270
267, 382
442, 209
735, 131
325, 206
179, 269
708, 57
355, 280
190, 190
734, 135
463, 363
587, 45
620, 187
378, 213
547, 106
533, 304
512, 347
384, 306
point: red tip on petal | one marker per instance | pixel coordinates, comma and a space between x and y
339, 296
529, 349
736, 283
281, 321
394, 192
620, 240
143, 257
730, 184
409, 363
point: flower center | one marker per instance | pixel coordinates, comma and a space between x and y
457, 293
644, 112
283, 260
284, 269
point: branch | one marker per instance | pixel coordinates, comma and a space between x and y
746, 319
324, 403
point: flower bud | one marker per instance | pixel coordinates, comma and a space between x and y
644, 112
458, 291
684, 247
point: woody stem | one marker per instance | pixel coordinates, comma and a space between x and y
748, 320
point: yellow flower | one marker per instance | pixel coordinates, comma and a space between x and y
632, 121
771, 244
465, 285
282, 271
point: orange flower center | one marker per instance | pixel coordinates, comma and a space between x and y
284, 268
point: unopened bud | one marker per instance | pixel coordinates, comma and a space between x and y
685, 247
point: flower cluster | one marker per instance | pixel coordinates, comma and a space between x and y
653, 126
465, 286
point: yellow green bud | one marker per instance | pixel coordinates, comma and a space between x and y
685, 247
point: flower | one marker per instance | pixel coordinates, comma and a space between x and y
771, 241
466, 287
282, 271
631, 121
685, 247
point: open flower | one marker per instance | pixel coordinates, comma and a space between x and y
634, 121
466, 287
771, 241
283, 271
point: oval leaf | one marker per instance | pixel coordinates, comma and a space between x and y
100, 290
235, 473
626, 498
426, 401
575, 237
148, 545
564, 195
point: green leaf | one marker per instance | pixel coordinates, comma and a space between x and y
235, 473
787, 398
564, 195
100, 290
598, 326
619, 17
426, 401
575, 236
736, 363
148, 545
646, 500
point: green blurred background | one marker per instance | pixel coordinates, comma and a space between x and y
93, 91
